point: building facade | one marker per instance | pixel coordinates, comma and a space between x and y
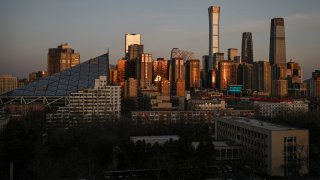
271, 148
277, 52
261, 79
247, 48
131, 39
227, 74
8, 83
61, 58
214, 17
232, 53
193, 74
144, 70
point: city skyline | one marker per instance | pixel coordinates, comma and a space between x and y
32, 28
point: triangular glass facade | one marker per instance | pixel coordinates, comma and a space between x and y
65, 82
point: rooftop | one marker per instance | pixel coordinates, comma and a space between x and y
260, 124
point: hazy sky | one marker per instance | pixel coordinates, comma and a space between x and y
30, 27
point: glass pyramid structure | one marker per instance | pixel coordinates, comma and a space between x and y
65, 82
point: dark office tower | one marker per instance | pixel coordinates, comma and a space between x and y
134, 54
247, 48
261, 78
193, 74
217, 57
62, 58
205, 71
232, 53
277, 53
160, 67
245, 75
214, 14
177, 73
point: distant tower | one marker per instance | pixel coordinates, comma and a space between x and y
277, 53
232, 53
131, 39
247, 48
214, 14
177, 74
61, 58
144, 70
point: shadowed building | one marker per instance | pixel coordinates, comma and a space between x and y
160, 69
245, 71
193, 74
61, 58
133, 55
261, 79
247, 48
177, 72
277, 53
214, 16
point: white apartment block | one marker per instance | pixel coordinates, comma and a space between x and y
272, 109
271, 148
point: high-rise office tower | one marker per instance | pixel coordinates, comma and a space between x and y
277, 53
144, 70
214, 16
232, 53
160, 69
8, 83
279, 88
245, 71
133, 55
177, 72
193, 74
261, 78
131, 88
247, 48
205, 71
122, 70
227, 74
165, 87
217, 57
61, 58
131, 39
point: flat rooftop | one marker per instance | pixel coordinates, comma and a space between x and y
260, 124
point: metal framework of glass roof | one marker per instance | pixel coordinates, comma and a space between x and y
60, 85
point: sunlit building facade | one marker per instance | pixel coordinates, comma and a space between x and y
277, 52
61, 58
232, 53
122, 70
131, 39
193, 74
214, 16
144, 70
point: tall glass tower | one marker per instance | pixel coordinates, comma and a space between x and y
277, 53
214, 14
247, 48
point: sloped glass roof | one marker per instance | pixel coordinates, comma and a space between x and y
65, 82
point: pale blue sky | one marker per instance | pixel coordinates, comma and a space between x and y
30, 27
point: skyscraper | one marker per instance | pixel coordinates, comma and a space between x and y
160, 67
177, 73
277, 53
144, 70
227, 73
193, 74
245, 75
214, 15
62, 58
247, 48
133, 55
122, 70
232, 53
131, 39
261, 79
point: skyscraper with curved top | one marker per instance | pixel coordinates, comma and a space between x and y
247, 49
277, 53
214, 15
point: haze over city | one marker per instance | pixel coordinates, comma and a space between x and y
29, 28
